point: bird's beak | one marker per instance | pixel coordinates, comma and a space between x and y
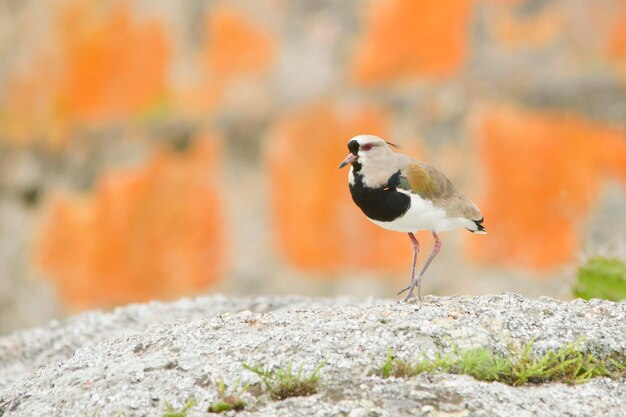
349, 159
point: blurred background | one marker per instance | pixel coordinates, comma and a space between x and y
157, 149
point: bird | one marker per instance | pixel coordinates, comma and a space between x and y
403, 194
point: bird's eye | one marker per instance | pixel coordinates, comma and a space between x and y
366, 147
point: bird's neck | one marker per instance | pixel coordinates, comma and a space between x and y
372, 174
377, 203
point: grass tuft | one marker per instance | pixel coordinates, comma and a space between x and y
171, 412
567, 365
403, 369
228, 402
601, 277
285, 382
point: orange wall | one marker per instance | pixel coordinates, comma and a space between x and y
528, 99
148, 232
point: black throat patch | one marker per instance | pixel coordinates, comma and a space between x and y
384, 203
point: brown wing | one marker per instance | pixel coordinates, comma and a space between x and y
429, 183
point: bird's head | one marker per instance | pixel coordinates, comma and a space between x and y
364, 148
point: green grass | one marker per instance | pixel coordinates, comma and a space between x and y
601, 277
285, 382
567, 365
171, 412
228, 402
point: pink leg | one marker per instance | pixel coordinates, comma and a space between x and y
417, 281
416, 249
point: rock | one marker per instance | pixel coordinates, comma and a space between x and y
24, 352
134, 360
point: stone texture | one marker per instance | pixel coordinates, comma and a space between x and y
133, 360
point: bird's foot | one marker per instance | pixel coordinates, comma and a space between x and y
415, 283
411, 288
410, 296
406, 289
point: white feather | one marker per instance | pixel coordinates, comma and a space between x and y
423, 215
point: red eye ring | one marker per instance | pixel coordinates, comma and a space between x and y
366, 147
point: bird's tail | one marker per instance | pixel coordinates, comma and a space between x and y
480, 229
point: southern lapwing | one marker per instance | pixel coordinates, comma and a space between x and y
399, 193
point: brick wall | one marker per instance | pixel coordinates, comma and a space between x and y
156, 149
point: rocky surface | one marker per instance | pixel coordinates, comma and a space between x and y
133, 361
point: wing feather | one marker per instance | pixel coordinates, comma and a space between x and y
431, 184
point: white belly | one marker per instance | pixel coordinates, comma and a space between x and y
423, 215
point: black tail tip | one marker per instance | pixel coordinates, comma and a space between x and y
479, 226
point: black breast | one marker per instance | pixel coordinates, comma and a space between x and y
383, 204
